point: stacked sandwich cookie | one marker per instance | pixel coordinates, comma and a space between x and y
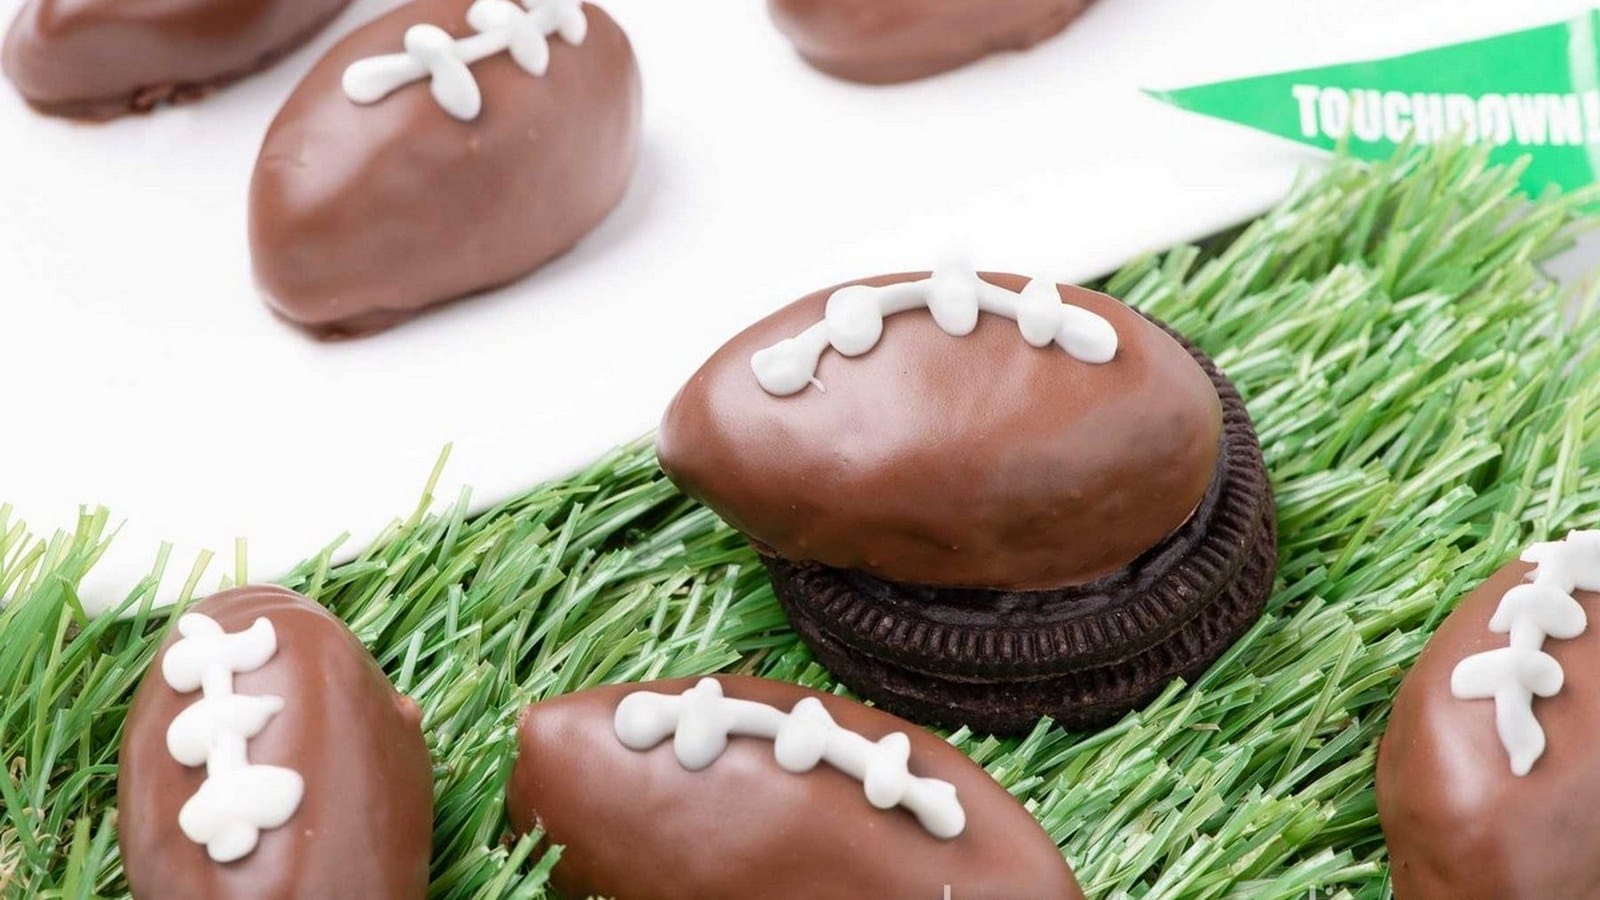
985, 499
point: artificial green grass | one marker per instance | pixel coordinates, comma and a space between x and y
1424, 415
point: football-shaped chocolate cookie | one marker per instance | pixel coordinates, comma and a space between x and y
448, 147
737, 787
883, 41
985, 498
977, 460
1488, 782
97, 59
266, 756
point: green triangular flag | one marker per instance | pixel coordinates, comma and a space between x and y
1534, 93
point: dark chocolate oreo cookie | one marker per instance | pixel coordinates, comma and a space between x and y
1083, 655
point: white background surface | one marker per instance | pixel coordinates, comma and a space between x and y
142, 373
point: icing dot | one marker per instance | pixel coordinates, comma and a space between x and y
1546, 607
804, 736
642, 722
1039, 313
887, 779
194, 731
953, 299
855, 323
1086, 336
786, 367
703, 726
527, 44
568, 18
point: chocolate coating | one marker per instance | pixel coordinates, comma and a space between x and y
1458, 823
637, 825
97, 59
974, 461
362, 215
885, 41
364, 826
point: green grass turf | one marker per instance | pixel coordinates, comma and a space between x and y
1424, 415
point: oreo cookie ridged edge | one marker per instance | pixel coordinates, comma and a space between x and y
1052, 506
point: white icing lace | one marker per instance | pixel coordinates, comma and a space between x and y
237, 800
431, 52
1529, 613
853, 323
701, 719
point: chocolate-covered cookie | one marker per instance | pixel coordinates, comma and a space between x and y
266, 755
1488, 787
443, 149
97, 59
885, 41
734, 787
983, 500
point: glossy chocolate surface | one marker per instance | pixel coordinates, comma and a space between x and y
1459, 824
102, 58
975, 461
360, 216
637, 825
884, 41
363, 830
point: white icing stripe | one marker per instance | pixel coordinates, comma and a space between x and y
237, 800
701, 719
853, 323
1529, 613
430, 51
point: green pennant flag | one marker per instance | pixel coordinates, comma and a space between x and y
1533, 93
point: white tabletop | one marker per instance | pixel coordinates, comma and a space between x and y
143, 373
